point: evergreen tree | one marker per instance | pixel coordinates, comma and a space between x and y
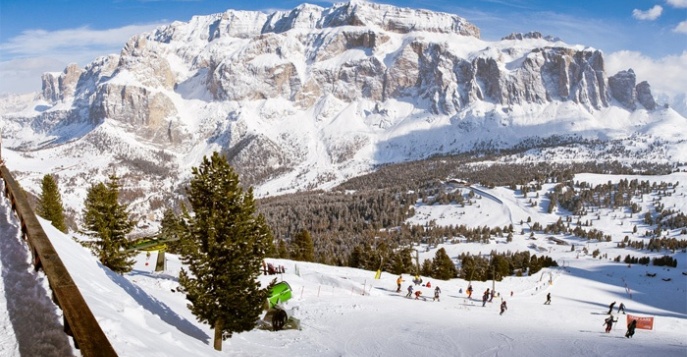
50, 203
355, 260
468, 268
400, 261
443, 266
223, 246
170, 231
282, 250
427, 268
302, 247
270, 250
500, 267
107, 222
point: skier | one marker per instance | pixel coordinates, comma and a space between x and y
429, 285
548, 299
621, 307
631, 328
469, 291
485, 297
610, 307
437, 291
609, 323
503, 307
398, 283
410, 291
418, 295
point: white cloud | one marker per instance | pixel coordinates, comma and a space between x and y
27, 56
24, 75
651, 14
681, 27
677, 3
42, 42
666, 75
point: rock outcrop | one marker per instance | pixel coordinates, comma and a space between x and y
58, 87
622, 86
624, 90
644, 96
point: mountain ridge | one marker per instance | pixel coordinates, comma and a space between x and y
309, 97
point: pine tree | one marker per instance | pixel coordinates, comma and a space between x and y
444, 268
50, 203
282, 250
223, 245
468, 268
170, 231
270, 250
107, 222
302, 247
396, 263
427, 268
500, 267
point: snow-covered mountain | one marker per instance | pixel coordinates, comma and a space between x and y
306, 98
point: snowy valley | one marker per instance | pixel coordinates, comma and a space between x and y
414, 126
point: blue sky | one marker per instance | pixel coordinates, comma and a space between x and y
46, 35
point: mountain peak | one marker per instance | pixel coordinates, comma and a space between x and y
529, 35
366, 14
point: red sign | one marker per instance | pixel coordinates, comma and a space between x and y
643, 322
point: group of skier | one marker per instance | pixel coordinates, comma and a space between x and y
610, 320
488, 296
418, 293
417, 281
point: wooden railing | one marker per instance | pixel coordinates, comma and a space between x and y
79, 321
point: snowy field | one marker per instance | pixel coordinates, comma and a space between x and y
346, 312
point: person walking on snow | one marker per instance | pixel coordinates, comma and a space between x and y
610, 308
548, 299
485, 297
437, 291
410, 291
609, 323
503, 307
398, 283
621, 307
631, 328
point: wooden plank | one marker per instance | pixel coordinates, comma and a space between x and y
79, 320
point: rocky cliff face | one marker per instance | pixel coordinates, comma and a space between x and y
231, 79
299, 56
